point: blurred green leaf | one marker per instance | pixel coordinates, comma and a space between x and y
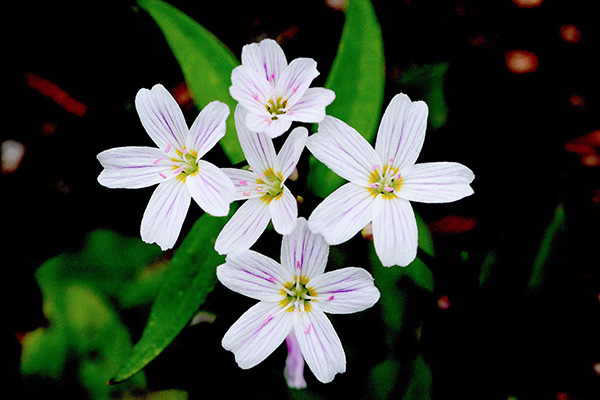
205, 61
190, 277
553, 239
425, 239
357, 77
427, 82
383, 378
536, 265
44, 352
420, 386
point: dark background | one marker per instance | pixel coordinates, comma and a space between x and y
514, 130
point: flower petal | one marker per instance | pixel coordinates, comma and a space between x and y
284, 212
258, 147
271, 127
253, 275
402, 132
311, 107
211, 189
208, 128
134, 167
294, 363
290, 152
320, 344
342, 214
245, 227
295, 79
257, 333
394, 231
266, 58
439, 182
163, 218
161, 116
250, 89
343, 150
244, 182
304, 250
345, 291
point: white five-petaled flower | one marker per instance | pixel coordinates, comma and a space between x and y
275, 93
176, 165
263, 187
294, 296
383, 180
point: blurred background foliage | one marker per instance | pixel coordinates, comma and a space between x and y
507, 306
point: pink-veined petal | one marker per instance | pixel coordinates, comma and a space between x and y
345, 291
439, 182
211, 189
244, 182
253, 275
245, 227
134, 167
161, 117
342, 214
290, 152
295, 79
320, 344
284, 212
266, 58
258, 147
163, 218
208, 128
394, 231
294, 363
257, 333
343, 150
402, 132
311, 106
275, 127
303, 251
250, 89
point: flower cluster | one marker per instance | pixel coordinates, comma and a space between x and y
295, 293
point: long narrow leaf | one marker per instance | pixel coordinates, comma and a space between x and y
205, 61
190, 277
357, 77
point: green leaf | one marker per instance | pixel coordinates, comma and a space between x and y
420, 386
427, 82
205, 61
553, 239
383, 378
357, 77
190, 277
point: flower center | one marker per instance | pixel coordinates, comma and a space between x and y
385, 181
276, 107
185, 163
297, 295
270, 184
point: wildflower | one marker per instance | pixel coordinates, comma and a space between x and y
275, 93
263, 186
383, 180
294, 296
176, 165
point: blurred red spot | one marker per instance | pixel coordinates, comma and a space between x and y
521, 61
591, 160
453, 224
528, 3
597, 368
183, 96
443, 303
586, 147
570, 33
48, 128
577, 100
56, 94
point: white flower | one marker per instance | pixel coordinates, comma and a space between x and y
263, 187
383, 180
294, 296
176, 165
275, 93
